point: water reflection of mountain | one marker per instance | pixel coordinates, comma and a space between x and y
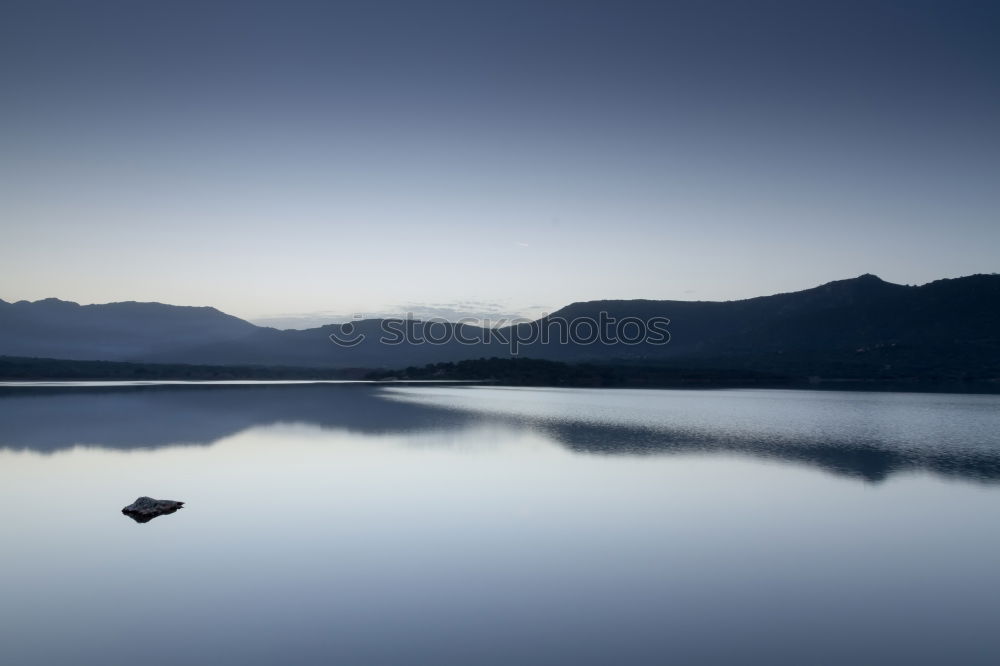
129, 417
50, 419
872, 461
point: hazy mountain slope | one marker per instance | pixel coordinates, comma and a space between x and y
112, 331
313, 347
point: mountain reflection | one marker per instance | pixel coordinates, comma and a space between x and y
872, 461
130, 417
134, 417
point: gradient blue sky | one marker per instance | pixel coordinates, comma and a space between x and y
322, 158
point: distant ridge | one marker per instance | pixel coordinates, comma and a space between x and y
858, 327
112, 331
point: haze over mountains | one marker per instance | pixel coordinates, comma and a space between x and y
863, 325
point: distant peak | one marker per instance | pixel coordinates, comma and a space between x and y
50, 301
867, 280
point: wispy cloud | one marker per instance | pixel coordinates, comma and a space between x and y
483, 312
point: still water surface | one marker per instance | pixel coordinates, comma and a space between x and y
360, 524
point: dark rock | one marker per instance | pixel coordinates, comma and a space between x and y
145, 509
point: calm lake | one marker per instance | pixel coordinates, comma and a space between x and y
371, 524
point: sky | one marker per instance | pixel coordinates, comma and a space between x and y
303, 161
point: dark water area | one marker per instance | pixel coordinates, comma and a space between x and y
364, 524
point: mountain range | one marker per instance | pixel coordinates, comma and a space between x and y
860, 327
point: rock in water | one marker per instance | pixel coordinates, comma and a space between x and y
145, 509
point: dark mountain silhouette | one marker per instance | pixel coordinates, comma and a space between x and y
850, 328
860, 328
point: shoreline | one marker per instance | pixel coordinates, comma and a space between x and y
848, 385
